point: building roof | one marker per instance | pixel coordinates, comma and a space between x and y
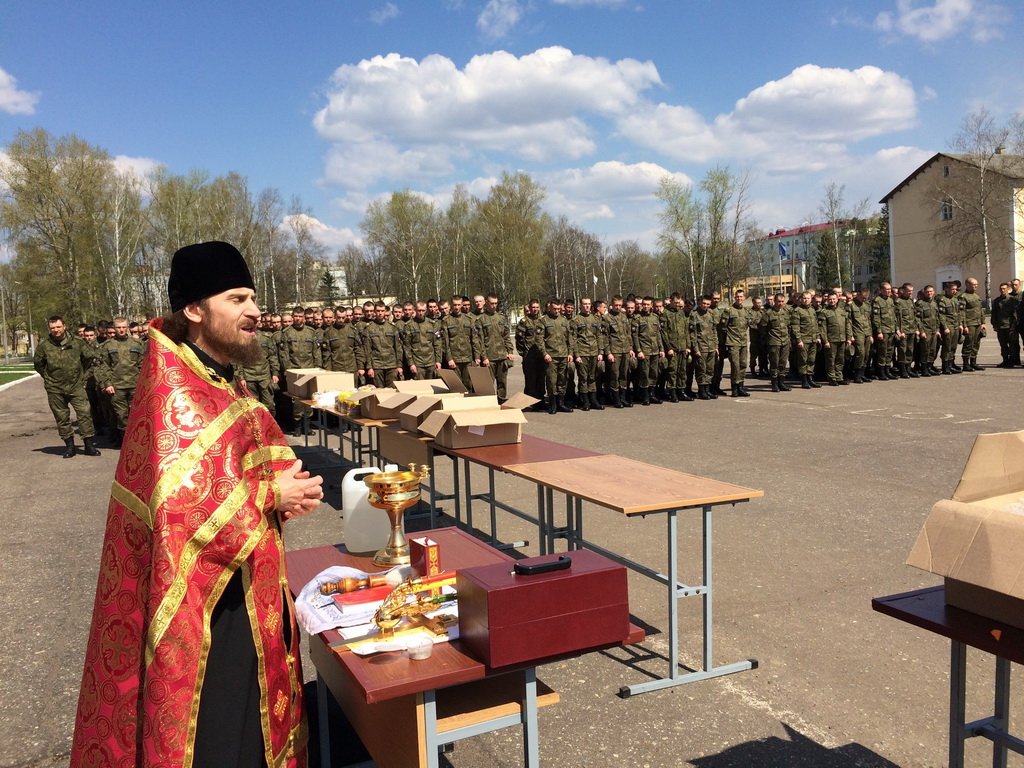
1010, 166
805, 229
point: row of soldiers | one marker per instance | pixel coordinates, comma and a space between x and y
94, 372
649, 350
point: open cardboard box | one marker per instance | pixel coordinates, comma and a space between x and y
305, 382
476, 421
422, 406
976, 539
388, 402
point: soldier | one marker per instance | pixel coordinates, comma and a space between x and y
947, 307
494, 344
1018, 298
907, 331
716, 312
433, 310
64, 362
528, 345
421, 342
457, 337
557, 346
859, 312
382, 348
835, 338
974, 325
649, 343
774, 323
735, 321
93, 390
261, 377
805, 336
758, 340
588, 337
883, 328
704, 347
298, 348
619, 350
1004, 321
928, 330
677, 341
119, 366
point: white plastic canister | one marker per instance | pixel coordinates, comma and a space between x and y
366, 528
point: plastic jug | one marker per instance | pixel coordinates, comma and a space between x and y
366, 528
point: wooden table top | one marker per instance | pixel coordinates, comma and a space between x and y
628, 486
530, 450
926, 608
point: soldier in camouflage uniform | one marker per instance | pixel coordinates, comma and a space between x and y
947, 307
342, 350
494, 344
974, 324
649, 344
758, 339
619, 349
906, 331
836, 338
557, 346
588, 336
64, 362
421, 341
457, 337
859, 312
735, 321
261, 377
119, 364
1004, 321
774, 324
528, 343
883, 328
677, 339
298, 347
382, 348
805, 336
716, 311
704, 347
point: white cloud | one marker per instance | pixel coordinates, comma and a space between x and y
943, 19
391, 115
499, 17
384, 14
592, 3
139, 167
14, 101
331, 238
605, 190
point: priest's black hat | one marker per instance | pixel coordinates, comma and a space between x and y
205, 269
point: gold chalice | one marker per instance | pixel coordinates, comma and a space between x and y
395, 492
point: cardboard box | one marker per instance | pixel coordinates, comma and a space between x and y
404, 448
305, 382
476, 421
505, 618
417, 411
975, 539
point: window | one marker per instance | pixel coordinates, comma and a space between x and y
945, 170
946, 210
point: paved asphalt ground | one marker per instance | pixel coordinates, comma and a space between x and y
849, 475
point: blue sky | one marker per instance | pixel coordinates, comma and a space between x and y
341, 101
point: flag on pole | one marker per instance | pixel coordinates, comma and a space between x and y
782, 250
595, 279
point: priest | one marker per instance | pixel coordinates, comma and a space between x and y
193, 652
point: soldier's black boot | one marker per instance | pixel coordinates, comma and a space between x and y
910, 371
783, 385
552, 405
70, 451
775, 385
584, 404
646, 397
562, 407
595, 403
702, 392
670, 395
684, 395
966, 365
904, 373
742, 387
90, 448
654, 395
974, 364
945, 368
805, 381
712, 391
118, 438
616, 400
954, 367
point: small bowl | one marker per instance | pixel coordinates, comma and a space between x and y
419, 648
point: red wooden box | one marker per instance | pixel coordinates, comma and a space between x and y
505, 618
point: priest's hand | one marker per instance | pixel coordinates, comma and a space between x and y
300, 494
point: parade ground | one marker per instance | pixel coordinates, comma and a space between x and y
849, 474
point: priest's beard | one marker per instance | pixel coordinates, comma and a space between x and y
222, 338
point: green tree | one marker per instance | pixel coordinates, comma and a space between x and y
402, 231
878, 249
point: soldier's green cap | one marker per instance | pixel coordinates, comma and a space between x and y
205, 269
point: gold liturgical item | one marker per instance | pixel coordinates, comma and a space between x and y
395, 492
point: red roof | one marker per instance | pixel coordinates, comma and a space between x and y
806, 229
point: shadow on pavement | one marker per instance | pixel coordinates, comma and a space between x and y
797, 751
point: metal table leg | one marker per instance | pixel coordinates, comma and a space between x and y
957, 702
322, 721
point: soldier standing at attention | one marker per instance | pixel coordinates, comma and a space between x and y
64, 362
457, 337
677, 340
298, 348
261, 376
528, 343
906, 331
860, 326
974, 324
422, 344
1004, 320
758, 340
1018, 299
649, 344
883, 328
120, 364
716, 312
704, 346
382, 348
928, 329
804, 333
947, 307
835, 338
494, 340
774, 324
735, 322
557, 346
588, 336
619, 348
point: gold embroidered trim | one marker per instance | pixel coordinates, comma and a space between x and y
257, 639
267, 453
176, 592
130, 501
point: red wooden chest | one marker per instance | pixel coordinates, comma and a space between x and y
506, 618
